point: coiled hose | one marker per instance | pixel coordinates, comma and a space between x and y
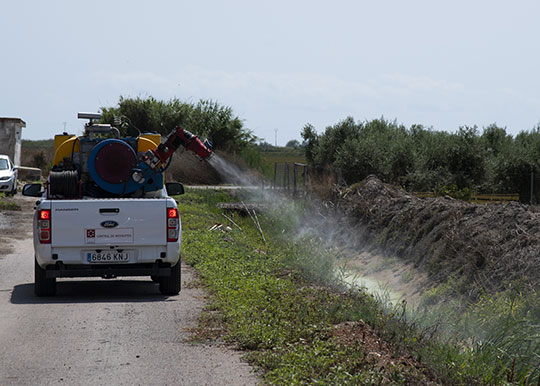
64, 184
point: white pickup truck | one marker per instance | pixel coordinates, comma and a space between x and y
105, 211
107, 237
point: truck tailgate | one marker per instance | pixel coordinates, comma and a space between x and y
108, 222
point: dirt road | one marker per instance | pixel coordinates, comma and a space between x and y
97, 332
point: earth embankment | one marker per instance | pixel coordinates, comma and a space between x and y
480, 248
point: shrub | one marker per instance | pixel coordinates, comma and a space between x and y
205, 118
423, 159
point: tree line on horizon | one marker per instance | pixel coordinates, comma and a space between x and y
423, 159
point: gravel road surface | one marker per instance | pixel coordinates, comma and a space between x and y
100, 332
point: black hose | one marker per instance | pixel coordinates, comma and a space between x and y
73, 149
168, 164
64, 184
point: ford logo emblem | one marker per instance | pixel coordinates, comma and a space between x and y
109, 224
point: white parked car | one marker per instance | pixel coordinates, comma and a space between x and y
8, 175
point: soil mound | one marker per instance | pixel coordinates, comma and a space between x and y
480, 247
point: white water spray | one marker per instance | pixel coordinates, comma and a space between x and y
231, 173
334, 232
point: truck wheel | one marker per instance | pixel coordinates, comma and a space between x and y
43, 286
170, 285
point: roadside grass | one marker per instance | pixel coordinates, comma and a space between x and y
501, 328
278, 300
7, 205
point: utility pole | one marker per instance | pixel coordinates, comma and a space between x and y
276, 130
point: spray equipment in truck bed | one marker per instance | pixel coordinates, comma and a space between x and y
102, 164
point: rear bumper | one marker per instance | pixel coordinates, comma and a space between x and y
108, 270
141, 256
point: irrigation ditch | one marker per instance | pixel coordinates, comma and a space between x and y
469, 270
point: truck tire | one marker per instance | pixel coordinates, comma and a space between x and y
43, 286
170, 285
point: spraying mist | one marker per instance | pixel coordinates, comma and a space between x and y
325, 227
231, 173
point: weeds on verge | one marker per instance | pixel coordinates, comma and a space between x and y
500, 329
7, 205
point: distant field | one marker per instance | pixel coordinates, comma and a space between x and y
41, 143
283, 157
38, 154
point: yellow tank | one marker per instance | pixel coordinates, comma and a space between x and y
64, 146
60, 138
147, 142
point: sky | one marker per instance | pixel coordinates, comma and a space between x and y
278, 64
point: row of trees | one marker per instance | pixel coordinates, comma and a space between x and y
207, 119
422, 159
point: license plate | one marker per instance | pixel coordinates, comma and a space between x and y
107, 257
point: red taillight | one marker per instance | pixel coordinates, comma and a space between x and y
172, 224
44, 226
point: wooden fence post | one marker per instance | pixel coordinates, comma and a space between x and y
287, 173
275, 175
294, 179
284, 175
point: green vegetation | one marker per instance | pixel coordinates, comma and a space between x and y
38, 154
253, 158
284, 156
7, 205
277, 299
205, 118
37, 144
500, 329
279, 155
422, 159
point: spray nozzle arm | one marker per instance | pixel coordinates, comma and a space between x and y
199, 148
159, 156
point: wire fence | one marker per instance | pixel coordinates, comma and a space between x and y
293, 178
297, 180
